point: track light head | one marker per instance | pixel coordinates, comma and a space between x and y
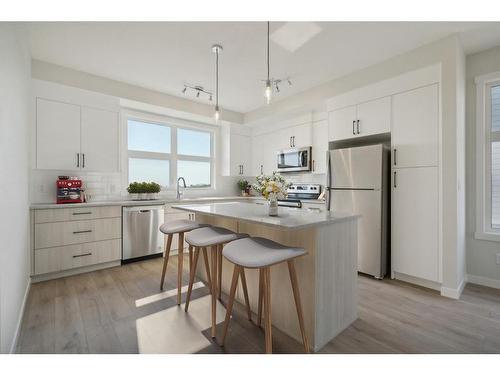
184, 90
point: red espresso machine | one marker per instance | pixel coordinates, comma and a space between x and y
69, 190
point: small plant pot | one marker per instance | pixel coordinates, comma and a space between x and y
134, 196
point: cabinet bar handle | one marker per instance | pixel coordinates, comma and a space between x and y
353, 122
395, 184
81, 213
293, 139
395, 162
357, 125
82, 255
78, 160
83, 160
314, 165
261, 169
82, 231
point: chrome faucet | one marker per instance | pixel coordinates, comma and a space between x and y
179, 193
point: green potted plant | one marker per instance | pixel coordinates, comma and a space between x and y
244, 187
143, 190
153, 190
134, 189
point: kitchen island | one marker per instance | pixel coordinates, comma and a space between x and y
327, 275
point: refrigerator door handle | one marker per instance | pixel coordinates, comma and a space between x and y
328, 182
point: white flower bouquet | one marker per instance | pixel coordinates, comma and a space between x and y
271, 187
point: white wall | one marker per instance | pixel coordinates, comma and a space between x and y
449, 54
481, 254
15, 86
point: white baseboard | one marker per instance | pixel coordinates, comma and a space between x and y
454, 293
485, 281
20, 319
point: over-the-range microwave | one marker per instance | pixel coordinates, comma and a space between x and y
294, 160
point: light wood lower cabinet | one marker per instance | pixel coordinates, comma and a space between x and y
61, 258
75, 237
73, 232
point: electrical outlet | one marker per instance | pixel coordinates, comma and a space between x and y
498, 258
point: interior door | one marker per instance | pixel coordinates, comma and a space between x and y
415, 222
341, 123
100, 140
374, 117
368, 204
57, 135
415, 136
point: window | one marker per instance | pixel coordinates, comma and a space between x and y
488, 157
161, 151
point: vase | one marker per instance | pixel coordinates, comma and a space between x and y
273, 207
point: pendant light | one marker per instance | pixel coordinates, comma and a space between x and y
269, 90
216, 48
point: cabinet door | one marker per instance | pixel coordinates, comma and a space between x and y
374, 117
341, 123
57, 135
258, 154
100, 140
301, 135
415, 116
319, 146
240, 155
415, 222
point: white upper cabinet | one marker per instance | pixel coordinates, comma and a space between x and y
240, 155
415, 130
342, 123
57, 135
361, 120
99, 140
319, 146
296, 136
76, 130
373, 117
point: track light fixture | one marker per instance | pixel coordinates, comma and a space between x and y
197, 90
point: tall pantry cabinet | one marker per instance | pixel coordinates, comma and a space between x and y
415, 183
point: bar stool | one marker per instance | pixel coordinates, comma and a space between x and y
261, 253
215, 238
177, 227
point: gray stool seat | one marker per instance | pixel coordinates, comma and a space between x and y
177, 226
258, 252
208, 236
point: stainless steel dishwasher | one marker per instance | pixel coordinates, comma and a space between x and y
141, 234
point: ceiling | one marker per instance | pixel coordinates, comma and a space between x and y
164, 56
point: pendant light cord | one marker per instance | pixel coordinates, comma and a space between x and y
268, 50
217, 78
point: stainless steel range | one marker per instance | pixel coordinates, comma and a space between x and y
297, 193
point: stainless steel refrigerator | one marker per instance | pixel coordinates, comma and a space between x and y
357, 181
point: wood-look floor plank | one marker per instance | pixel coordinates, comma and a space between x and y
103, 312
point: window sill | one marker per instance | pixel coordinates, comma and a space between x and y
487, 236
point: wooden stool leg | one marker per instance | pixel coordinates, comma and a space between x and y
207, 268
180, 263
214, 289
298, 304
245, 293
192, 273
229, 308
166, 255
190, 257
267, 310
219, 271
261, 296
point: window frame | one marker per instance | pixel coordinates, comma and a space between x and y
484, 139
173, 156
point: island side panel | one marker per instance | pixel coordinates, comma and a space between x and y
284, 313
336, 280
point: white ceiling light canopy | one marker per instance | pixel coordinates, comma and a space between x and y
293, 35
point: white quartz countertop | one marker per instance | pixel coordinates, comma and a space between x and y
288, 218
41, 206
